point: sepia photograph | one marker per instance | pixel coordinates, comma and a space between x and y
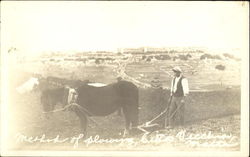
125, 78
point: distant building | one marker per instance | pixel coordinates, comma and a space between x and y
133, 50
103, 52
154, 49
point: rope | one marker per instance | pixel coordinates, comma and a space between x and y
58, 110
84, 110
79, 107
146, 124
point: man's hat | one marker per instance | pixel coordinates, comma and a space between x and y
177, 69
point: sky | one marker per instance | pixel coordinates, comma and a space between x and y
39, 26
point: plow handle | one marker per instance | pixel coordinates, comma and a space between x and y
164, 111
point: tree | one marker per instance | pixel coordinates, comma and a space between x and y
209, 56
227, 55
216, 57
165, 57
97, 61
183, 57
189, 56
204, 56
221, 68
148, 59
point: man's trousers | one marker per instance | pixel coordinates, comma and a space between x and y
175, 114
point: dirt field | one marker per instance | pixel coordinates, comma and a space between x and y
200, 119
212, 116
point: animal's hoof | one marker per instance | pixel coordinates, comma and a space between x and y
84, 134
125, 133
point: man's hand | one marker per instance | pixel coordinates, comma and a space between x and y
182, 100
185, 99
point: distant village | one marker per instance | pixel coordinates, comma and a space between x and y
134, 51
145, 54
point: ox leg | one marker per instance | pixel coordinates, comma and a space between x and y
83, 121
133, 115
127, 120
84, 124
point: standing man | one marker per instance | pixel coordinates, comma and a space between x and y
179, 92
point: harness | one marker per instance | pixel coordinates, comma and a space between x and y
72, 96
71, 103
72, 99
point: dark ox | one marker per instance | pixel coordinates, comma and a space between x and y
51, 97
102, 101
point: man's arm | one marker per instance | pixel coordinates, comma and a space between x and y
185, 86
171, 88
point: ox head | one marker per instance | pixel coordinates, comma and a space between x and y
50, 98
70, 95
